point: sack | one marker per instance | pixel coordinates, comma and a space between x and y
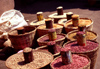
11, 19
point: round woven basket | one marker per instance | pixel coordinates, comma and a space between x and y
44, 48
88, 27
41, 59
62, 21
85, 67
59, 42
57, 17
92, 54
21, 41
37, 23
74, 37
44, 31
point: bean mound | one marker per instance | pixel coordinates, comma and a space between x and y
89, 36
77, 48
78, 62
46, 38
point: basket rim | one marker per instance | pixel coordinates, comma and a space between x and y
33, 51
79, 18
74, 31
47, 28
85, 51
36, 22
24, 33
64, 19
75, 54
57, 16
38, 40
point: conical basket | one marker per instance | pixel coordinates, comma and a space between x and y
71, 28
74, 37
21, 41
42, 32
85, 67
92, 54
59, 41
41, 60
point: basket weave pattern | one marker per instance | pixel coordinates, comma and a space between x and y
42, 32
59, 42
89, 27
19, 42
91, 54
85, 67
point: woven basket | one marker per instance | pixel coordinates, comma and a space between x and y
37, 23
75, 31
45, 47
42, 32
21, 41
57, 17
91, 54
62, 21
88, 27
85, 67
16, 61
59, 42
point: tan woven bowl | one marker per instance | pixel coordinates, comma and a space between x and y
92, 54
59, 42
85, 67
73, 37
62, 21
41, 59
21, 41
37, 23
71, 28
43, 31
57, 17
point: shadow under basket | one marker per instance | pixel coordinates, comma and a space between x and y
22, 41
92, 54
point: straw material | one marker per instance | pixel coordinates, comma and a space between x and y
43, 31
85, 67
41, 59
55, 15
71, 28
21, 41
37, 23
59, 42
62, 21
92, 54
75, 31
